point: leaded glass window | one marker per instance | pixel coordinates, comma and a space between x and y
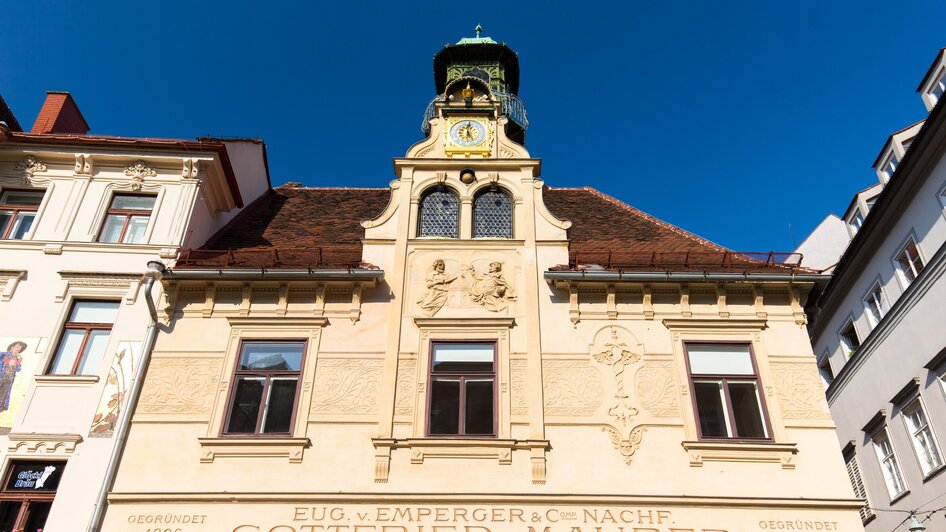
492, 215
439, 214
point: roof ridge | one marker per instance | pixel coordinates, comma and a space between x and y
653, 219
283, 186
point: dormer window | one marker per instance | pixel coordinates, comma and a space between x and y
938, 87
855, 221
439, 214
889, 166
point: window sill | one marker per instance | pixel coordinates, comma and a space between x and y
759, 452
66, 380
291, 448
899, 496
491, 448
934, 473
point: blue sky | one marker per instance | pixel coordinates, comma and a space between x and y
734, 120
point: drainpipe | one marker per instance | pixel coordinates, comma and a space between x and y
154, 273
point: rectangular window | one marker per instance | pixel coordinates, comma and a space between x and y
854, 473
922, 437
876, 305
17, 212
265, 388
726, 391
871, 202
27, 494
891, 162
462, 390
849, 340
126, 219
909, 263
939, 86
84, 338
888, 464
855, 220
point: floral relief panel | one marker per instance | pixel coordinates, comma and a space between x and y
117, 383
18, 359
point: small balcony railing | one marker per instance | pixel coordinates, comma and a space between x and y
511, 106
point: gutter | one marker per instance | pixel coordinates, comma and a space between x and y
552, 276
154, 273
244, 274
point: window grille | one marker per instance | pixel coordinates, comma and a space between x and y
439, 214
492, 215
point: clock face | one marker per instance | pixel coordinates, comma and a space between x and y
468, 133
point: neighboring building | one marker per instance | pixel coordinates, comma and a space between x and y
80, 216
878, 328
470, 350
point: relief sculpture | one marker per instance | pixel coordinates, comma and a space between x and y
657, 389
799, 391
520, 391
489, 290
438, 285
572, 388
404, 389
347, 386
616, 353
180, 386
626, 446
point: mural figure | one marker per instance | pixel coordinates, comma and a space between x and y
490, 289
11, 362
438, 283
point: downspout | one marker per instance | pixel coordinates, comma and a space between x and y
154, 273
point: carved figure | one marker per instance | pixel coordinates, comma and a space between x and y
438, 283
490, 289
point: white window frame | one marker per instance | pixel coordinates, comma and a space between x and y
886, 162
849, 350
889, 464
917, 404
901, 276
882, 302
855, 216
939, 82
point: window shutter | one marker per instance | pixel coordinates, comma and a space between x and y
854, 473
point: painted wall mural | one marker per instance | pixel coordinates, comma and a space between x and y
119, 380
18, 359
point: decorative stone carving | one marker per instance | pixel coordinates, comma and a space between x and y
520, 390
616, 353
347, 386
572, 388
799, 392
626, 446
180, 386
138, 172
31, 165
42, 444
490, 289
438, 285
83, 164
657, 389
190, 168
404, 392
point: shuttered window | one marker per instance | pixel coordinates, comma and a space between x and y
854, 473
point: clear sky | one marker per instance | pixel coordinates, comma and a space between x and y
734, 120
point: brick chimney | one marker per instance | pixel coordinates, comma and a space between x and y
60, 114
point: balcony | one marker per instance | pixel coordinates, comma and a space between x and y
511, 106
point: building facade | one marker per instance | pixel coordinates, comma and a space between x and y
470, 350
877, 331
80, 216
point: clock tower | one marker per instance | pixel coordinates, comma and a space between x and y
477, 113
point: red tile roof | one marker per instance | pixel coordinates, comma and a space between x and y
320, 228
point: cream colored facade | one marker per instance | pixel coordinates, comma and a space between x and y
69, 419
595, 422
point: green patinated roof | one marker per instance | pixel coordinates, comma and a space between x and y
477, 39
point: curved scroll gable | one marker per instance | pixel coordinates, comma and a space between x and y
545, 213
388, 211
430, 147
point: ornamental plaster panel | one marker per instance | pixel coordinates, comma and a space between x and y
347, 386
572, 388
404, 390
799, 391
657, 388
520, 387
180, 386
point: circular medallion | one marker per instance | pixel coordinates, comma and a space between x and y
468, 133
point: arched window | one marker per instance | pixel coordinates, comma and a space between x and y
492, 215
439, 214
